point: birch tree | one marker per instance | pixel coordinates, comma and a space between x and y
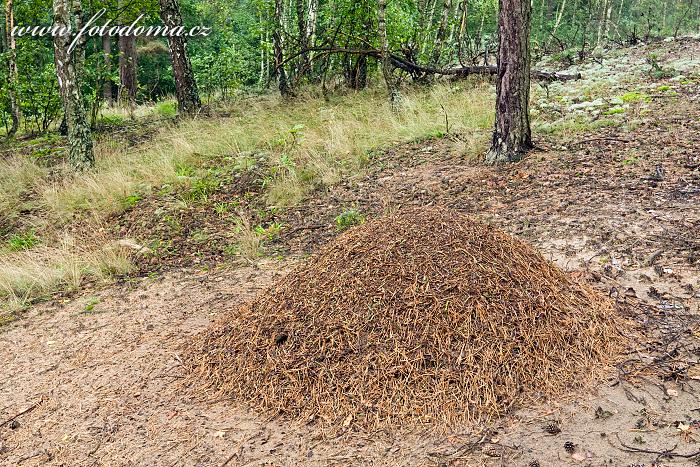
12, 67
188, 100
69, 70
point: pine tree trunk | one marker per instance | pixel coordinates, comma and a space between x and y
512, 137
128, 77
12, 68
107, 85
278, 45
69, 69
185, 86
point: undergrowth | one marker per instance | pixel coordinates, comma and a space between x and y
309, 142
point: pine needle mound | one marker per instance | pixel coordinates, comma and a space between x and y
427, 316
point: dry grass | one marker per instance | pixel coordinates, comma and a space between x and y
426, 316
309, 141
17, 178
36, 273
248, 241
323, 139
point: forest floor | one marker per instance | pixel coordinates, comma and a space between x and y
93, 378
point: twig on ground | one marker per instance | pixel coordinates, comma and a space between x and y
24, 412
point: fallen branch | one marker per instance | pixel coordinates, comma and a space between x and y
418, 71
669, 453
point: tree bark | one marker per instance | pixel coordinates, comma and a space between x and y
12, 68
278, 45
304, 64
69, 70
128, 77
512, 136
441, 32
107, 85
311, 22
185, 85
385, 56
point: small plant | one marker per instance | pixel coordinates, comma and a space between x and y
221, 209
201, 189
297, 132
349, 219
630, 160
91, 303
271, 232
184, 170
23, 241
634, 96
249, 240
614, 111
166, 109
113, 120
130, 201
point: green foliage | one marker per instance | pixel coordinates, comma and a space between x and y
630, 160
23, 241
166, 109
614, 111
349, 219
632, 97
91, 304
201, 188
131, 200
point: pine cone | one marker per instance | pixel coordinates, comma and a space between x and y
552, 428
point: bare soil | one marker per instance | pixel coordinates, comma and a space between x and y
95, 379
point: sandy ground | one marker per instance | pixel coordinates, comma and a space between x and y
94, 380
102, 389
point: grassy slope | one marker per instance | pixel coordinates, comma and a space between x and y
307, 141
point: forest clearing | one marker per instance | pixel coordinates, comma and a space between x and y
360, 268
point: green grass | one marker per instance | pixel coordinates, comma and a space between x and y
632, 97
23, 241
309, 143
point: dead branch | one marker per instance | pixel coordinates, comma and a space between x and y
418, 71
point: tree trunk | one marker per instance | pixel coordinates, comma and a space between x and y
557, 22
278, 44
311, 22
107, 85
188, 101
128, 77
304, 65
385, 56
512, 137
441, 32
12, 67
463, 31
69, 68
